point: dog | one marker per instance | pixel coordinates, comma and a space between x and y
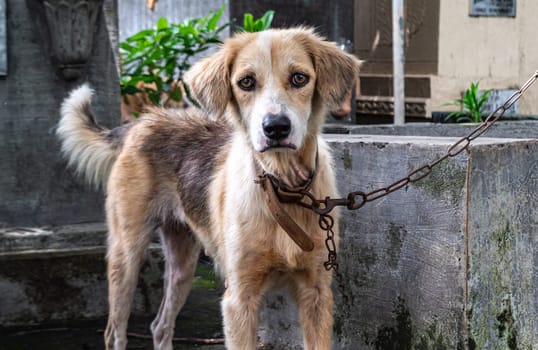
190, 175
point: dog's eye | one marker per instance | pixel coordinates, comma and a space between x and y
299, 79
247, 83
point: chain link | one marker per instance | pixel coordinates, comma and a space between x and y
326, 223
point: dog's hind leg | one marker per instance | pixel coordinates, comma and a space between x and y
127, 246
181, 251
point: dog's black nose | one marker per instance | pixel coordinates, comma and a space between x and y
276, 126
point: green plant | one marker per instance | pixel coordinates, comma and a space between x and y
251, 25
154, 60
471, 105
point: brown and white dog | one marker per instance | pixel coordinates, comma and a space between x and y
190, 175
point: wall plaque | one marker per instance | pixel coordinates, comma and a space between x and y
3, 38
493, 8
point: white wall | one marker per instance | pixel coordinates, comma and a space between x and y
501, 52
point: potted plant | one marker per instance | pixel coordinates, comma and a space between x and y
471, 106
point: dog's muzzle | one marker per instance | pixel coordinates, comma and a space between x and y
276, 128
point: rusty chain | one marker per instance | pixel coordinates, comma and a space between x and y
356, 200
326, 223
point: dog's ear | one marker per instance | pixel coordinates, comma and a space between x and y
209, 82
336, 70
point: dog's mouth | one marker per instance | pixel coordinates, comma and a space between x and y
276, 145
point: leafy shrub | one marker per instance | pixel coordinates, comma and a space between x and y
154, 60
471, 105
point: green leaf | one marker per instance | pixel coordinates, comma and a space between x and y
129, 90
453, 114
148, 78
257, 26
252, 25
176, 94
162, 23
267, 18
212, 23
154, 97
140, 35
125, 46
248, 22
464, 119
483, 98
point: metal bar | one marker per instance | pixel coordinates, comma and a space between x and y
3, 38
398, 58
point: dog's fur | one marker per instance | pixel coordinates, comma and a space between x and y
190, 175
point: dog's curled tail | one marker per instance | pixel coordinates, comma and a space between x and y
85, 144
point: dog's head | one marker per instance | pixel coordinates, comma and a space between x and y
277, 84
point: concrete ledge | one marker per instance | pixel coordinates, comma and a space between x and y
16, 240
446, 263
502, 129
56, 274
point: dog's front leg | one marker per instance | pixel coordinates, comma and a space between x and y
240, 306
315, 303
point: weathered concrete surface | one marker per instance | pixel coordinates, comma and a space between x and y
405, 257
516, 129
32, 240
35, 187
49, 276
503, 248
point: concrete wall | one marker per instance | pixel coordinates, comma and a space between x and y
51, 275
498, 51
445, 263
35, 187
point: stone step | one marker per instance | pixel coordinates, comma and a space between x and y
50, 276
19, 241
